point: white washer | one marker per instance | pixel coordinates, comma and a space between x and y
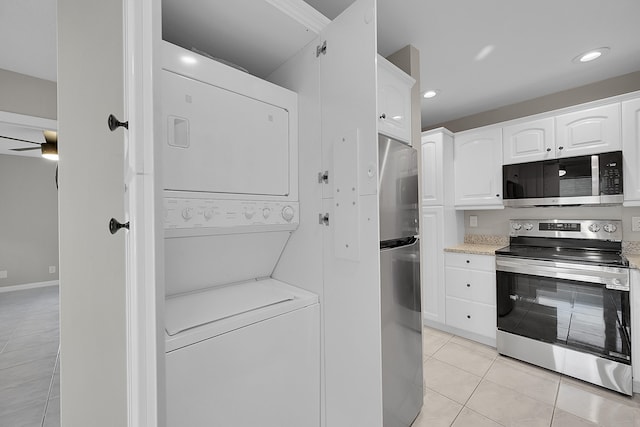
243, 355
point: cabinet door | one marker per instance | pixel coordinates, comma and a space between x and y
596, 130
476, 286
432, 170
478, 169
472, 317
631, 148
432, 264
394, 101
529, 142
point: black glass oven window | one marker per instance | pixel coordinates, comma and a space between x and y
581, 316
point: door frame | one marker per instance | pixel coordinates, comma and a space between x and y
144, 287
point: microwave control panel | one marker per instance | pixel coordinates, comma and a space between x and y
610, 173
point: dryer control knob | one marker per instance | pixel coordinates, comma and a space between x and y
187, 213
610, 228
266, 212
516, 226
287, 213
528, 226
248, 213
208, 214
594, 228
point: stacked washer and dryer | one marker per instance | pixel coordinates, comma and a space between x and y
242, 348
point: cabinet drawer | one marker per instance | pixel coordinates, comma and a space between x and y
477, 286
470, 316
470, 261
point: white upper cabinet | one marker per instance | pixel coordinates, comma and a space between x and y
595, 130
631, 149
394, 101
529, 142
432, 189
478, 169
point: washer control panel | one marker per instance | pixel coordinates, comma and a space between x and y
215, 213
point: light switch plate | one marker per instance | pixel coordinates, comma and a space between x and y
3, 274
52, 269
635, 223
473, 220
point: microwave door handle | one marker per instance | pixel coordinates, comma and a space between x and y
595, 175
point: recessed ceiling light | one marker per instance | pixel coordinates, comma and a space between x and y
188, 59
484, 52
591, 55
431, 93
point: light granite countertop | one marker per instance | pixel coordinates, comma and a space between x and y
480, 244
475, 248
634, 260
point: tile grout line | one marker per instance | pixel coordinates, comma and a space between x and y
476, 388
555, 402
46, 405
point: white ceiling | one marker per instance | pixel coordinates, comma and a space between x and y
533, 42
28, 34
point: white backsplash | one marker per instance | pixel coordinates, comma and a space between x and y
496, 222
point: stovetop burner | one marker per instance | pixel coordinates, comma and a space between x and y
596, 242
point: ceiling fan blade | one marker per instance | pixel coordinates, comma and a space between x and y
18, 139
24, 149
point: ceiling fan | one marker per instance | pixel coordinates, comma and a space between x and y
49, 148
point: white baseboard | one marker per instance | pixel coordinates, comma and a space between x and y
29, 286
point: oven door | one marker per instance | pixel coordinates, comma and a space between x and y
581, 307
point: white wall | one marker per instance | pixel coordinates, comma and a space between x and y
599, 90
27, 95
29, 226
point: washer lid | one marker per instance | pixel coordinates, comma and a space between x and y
194, 309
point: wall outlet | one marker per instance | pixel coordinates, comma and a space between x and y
52, 269
473, 220
3, 274
635, 223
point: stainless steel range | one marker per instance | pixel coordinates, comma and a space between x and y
563, 299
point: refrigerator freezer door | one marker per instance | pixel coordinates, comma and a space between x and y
398, 188
401, 335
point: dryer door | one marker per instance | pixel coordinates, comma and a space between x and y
219, 141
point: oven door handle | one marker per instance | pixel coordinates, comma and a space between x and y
611, 277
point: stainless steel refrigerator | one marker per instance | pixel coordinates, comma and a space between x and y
400, 283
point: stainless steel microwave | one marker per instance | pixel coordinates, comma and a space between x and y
581, 180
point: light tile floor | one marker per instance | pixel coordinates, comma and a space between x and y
466, 384
470, 385
29, 349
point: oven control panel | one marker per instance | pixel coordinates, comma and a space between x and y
600, 229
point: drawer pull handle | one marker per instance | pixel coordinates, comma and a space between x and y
468, 316
468, 261
468, 285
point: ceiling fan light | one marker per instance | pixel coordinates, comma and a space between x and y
50, 146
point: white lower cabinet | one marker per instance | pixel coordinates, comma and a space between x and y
472, 316
470, 287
